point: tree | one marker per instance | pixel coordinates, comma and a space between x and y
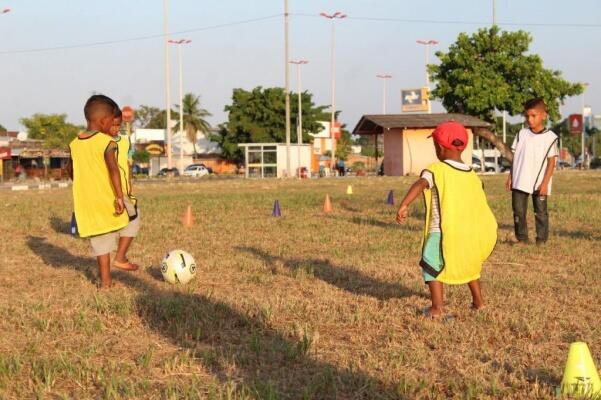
259, 116
158, 120
145, 114
194, 118
2, 129
490, 71
53, 129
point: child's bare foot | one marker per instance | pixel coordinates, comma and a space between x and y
437, 314
476, 306
125, 265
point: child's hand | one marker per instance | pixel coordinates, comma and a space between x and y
402, 214
508, 183
119, 206
543, 190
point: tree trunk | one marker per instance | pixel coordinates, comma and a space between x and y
497, 142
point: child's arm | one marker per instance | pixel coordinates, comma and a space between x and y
508, 182
418, 187
543, 190
110, 157
69, 168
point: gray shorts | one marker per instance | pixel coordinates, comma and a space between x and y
107, 242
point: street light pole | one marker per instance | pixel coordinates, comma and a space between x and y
583, 136
181, 100
299, 134
167, 80
287, 89
384, 78
427, 43
333, 17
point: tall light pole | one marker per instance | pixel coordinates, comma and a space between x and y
428, 43
583, 136
167, 80
287, 87
384, 78
494, 13
299, 133
179, 44
333, 17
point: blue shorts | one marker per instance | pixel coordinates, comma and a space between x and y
431, 255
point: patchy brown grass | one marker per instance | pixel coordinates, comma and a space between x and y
303, 306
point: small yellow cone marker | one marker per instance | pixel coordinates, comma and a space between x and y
580, 377
349, 189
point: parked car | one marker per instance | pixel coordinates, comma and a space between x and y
138, 170
196, 170
488, 166
203, 165
168, 172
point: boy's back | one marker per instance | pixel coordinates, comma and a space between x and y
93, 194
467, 225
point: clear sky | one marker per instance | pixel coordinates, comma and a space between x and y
251, 54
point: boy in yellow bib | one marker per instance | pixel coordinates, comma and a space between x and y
460, 230
97, 192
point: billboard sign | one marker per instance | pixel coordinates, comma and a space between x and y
575, 124
415, 99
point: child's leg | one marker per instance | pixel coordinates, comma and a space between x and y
104, 268
436, 295
541, 217
124, 243
476, 294
126, 237
519, 203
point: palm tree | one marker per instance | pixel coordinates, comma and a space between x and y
194, 118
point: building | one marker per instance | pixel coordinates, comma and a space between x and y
203, 151
407, 147
268, 160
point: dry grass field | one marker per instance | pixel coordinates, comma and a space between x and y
306, 306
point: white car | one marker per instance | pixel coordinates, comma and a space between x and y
196, 170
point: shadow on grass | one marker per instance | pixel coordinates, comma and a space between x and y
345, 278
58, 257
234, 346
584, 235
58, 225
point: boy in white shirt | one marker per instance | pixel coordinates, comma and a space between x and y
535, 154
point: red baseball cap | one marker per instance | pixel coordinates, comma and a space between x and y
447, 133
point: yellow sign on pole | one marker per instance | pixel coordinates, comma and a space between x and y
413, 100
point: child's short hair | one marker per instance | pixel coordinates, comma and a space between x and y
100, 104
537, 102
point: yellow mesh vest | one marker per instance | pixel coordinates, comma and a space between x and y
468, 226
123, 145
93, 195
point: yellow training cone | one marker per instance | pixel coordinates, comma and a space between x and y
580, 377
349, 189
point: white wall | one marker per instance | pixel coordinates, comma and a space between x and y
305, 158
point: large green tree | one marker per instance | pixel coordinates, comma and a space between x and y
53, 129
2, 129
492, 70
146, 114
259, 116
194, 118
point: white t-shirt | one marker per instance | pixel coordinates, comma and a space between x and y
435, 209
530, 153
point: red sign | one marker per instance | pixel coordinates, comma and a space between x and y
575, 124
5, 153
336, 131
128, 114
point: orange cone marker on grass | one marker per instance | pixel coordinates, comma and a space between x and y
188, 219
327, 204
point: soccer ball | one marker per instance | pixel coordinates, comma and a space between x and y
178, 266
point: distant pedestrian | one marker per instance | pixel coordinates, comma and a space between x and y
460, 230
535, 155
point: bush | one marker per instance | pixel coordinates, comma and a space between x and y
358, 166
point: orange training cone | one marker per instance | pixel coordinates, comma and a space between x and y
327, 204
188, 219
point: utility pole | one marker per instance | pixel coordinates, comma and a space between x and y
167, 81
384, 78
287, 89
181, 101
332, 18
299, 134
428, 43
494, 12
583, 136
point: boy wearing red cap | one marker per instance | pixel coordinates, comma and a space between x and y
460, 230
